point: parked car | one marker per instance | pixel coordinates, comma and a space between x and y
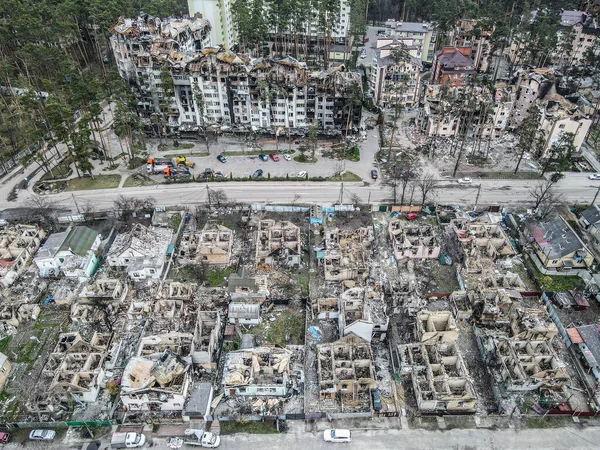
301, 174
594, 176
257, 174
376, 399
219, 175
4, 437
222, 159
42, 435
465, 181
274, 157
337, 435
263, 157
287, 157
363, 54
366, 39
374, 174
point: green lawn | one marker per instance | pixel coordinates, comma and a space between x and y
98, 182
287, 328
348, 176
252, 427
171, 147
306, 159
60, 171
136, 180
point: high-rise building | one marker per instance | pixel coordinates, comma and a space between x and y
219, 14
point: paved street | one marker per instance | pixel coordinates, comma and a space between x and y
458, 439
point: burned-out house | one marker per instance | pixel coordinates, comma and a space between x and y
157, 383
413, 241
440, 378
362, 311
18, 244
141, 252
264, 371
482, 244
343, 254
278, 243
346, 373
75, 366
212, 245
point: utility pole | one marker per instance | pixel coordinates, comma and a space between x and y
208, 196
477, 197
79, 212
596, 196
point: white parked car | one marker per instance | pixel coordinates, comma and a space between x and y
287, 157
337, 435
465, 181
42, 435
301, 174
594, 176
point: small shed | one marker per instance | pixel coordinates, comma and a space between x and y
244, 313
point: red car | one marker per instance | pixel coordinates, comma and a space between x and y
274, 157
366, 39
4, 437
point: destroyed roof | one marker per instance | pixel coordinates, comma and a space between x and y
146, 241
244, 310
555, 237
143, 373
241, 280
591, 214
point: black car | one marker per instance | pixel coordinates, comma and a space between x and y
222, 159
374, 174
257, 174
376, 399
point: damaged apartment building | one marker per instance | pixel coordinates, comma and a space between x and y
344, 253
264, 371
218, 89
346, 373
212, 245
140, 252
278, 244
413, 241
18, 244
439, 375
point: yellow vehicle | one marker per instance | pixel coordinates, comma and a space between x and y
181, 160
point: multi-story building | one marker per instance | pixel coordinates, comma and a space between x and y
465, 35
218, 13
424, 36
452, 65
213, 87
577, 33
394, 82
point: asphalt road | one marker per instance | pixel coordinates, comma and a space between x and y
575, 187
472, 439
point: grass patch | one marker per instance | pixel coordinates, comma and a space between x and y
4, 343
287, 328
246, 153
175, 221
352, 154
216, 277
554, 284
137, 180
253, 427
546, 422
304, 159
98, 182
348, 176
172, 147
60, 171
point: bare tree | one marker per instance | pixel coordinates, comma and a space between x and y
127, 205
399, 178
219, 197
42, 208
545, 197
355, 199
427, 184
88, 209
338, 168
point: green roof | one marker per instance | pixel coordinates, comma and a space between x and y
79, 240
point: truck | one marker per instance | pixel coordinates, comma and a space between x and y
182, 161
176, 174
127, 440
156, 165
201, 438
